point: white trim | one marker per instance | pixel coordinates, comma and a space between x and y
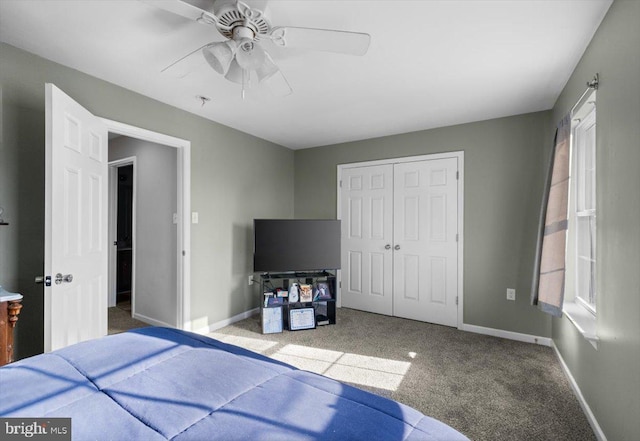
151, 321
426, 157
226, 322
584, 321
459, 155
510, 335
183, 309
113, 225
597, 430
460, 239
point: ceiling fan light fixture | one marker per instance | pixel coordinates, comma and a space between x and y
267, 69
235, 73
249, 55
220, 55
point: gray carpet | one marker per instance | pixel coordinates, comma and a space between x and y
487, 388
120, 320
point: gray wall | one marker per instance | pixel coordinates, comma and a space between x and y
22, 197
231, 184
155, 234
609, 377
503, 172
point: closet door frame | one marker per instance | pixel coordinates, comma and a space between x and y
459, 155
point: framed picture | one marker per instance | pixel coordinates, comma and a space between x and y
306, 293
321, 291
274, 301
272, 320
302, 318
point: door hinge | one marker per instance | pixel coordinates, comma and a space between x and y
456, 300
457, 175
457, 237
340, 183
340, 284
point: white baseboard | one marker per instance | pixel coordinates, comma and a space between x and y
527, 338
597, 430
226, 322
151, 321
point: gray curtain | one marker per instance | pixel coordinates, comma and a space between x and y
547, 290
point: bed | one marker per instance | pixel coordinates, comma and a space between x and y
165, 384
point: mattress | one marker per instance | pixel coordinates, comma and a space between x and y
165, 384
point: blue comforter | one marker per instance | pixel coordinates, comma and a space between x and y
158, 384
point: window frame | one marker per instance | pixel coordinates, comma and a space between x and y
579, 312
583, 205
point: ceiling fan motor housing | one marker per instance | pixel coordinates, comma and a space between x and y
231, 17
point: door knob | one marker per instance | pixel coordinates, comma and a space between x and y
397, 247
387, 247
68, 278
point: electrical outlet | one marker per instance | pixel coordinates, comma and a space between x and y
511, 294
250, 279
194, 217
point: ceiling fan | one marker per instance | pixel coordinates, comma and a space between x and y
241, 55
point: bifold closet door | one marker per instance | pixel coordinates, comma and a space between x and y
367, 230
425, 244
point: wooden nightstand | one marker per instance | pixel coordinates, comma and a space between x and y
9, 311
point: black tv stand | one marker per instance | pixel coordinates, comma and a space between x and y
325, 309
298, 274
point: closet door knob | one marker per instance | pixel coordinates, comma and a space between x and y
397, 247
387, 247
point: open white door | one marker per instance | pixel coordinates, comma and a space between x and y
75, 303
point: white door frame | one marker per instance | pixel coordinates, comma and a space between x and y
113, 228
183, 310
460, 157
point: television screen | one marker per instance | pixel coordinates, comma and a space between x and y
283, 245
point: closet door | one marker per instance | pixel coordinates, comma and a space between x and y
367, 216
425, 248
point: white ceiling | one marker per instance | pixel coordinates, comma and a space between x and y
430, 63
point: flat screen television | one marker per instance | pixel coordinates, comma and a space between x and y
296, 245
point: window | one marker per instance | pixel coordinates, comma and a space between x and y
584, 205
580, 283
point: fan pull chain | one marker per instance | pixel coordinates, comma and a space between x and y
244, 81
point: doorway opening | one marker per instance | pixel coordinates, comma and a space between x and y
124, 237
76, 218
122, 225
173, 309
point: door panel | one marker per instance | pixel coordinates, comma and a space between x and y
75, 222
367, 216
425, 254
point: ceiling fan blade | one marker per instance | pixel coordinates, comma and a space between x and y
277, 84
187, 64
343, 42
186, 8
